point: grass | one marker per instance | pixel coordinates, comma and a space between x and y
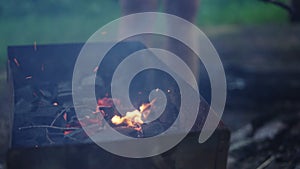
73, 25
239, 12
47, 29
65, 21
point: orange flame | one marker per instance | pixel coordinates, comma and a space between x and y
134, 118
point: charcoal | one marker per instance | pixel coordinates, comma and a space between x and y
47, 111
152, 129
46, 90
23, 106
64, 92
26, 93
46, 93
76, 136
64, 87
128, 131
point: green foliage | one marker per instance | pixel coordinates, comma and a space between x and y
60, 21
19, 8
218, 12
52, 21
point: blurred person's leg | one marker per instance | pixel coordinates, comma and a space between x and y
186, 9
136, 6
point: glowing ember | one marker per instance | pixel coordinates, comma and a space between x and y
107, 102
134, 118
66, 132
55, 103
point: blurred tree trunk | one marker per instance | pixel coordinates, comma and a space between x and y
293, 8
295, 17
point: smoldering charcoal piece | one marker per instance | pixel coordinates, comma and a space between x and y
26, 92
44, 116
23, 106
128, 131
46, 93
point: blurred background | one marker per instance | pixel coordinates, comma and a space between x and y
258, 42
52, 21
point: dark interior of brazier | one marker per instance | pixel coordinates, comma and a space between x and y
44, 111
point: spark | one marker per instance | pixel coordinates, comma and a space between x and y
34, 46
28, 77
96, 69
42, 67
16, 62
65, 116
